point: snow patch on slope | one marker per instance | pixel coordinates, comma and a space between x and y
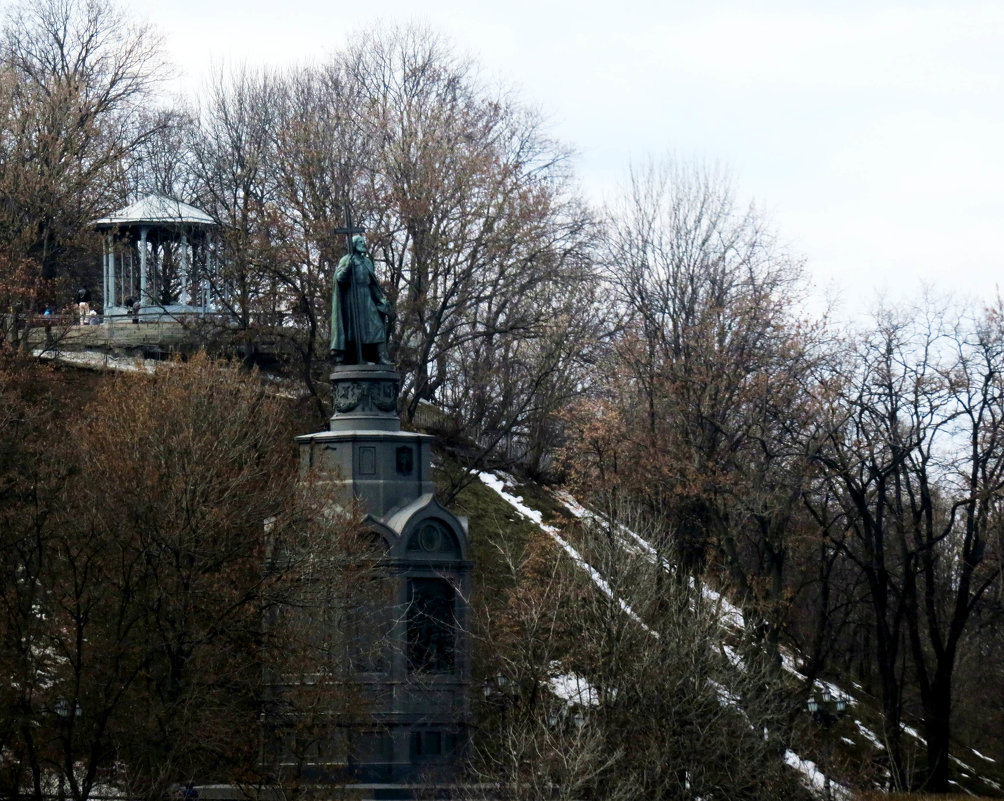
494, 482
574, 689
564, 685
814, 777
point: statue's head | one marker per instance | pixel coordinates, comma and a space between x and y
359, 243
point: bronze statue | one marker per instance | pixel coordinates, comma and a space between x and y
359, 310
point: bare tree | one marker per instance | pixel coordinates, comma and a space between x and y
161, 164
624, 690
704, 411
473, 217
915, 465
31, 484
148, 565
77, 76
472, 221
233, 161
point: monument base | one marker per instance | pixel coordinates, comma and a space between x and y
418, 726
365, 398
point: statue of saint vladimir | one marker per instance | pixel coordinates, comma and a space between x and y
359, 310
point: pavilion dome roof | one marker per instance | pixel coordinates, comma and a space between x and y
156, 210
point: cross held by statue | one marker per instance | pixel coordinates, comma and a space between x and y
348, 230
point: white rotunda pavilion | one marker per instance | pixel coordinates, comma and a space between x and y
157, 254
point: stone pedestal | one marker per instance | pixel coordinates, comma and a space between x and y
365, 455
418, 729
365, 398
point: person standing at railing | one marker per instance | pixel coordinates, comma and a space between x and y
83, 304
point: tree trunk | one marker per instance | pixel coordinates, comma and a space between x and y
937, 721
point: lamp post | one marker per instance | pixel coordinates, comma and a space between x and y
500, 695
825, 711
496, 689
64, 716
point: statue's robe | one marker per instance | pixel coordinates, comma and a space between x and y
359, 306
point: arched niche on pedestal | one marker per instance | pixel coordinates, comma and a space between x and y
429, 561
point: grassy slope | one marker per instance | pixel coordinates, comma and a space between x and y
493, 521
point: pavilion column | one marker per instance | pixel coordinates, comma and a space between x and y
104, 272
142, 266
110, 298
208, 266
184, 272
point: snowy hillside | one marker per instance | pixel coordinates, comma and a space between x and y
860, 740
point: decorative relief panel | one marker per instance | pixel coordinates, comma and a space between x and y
366, 396
367, 461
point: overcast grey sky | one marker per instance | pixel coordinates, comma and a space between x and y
871, 133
